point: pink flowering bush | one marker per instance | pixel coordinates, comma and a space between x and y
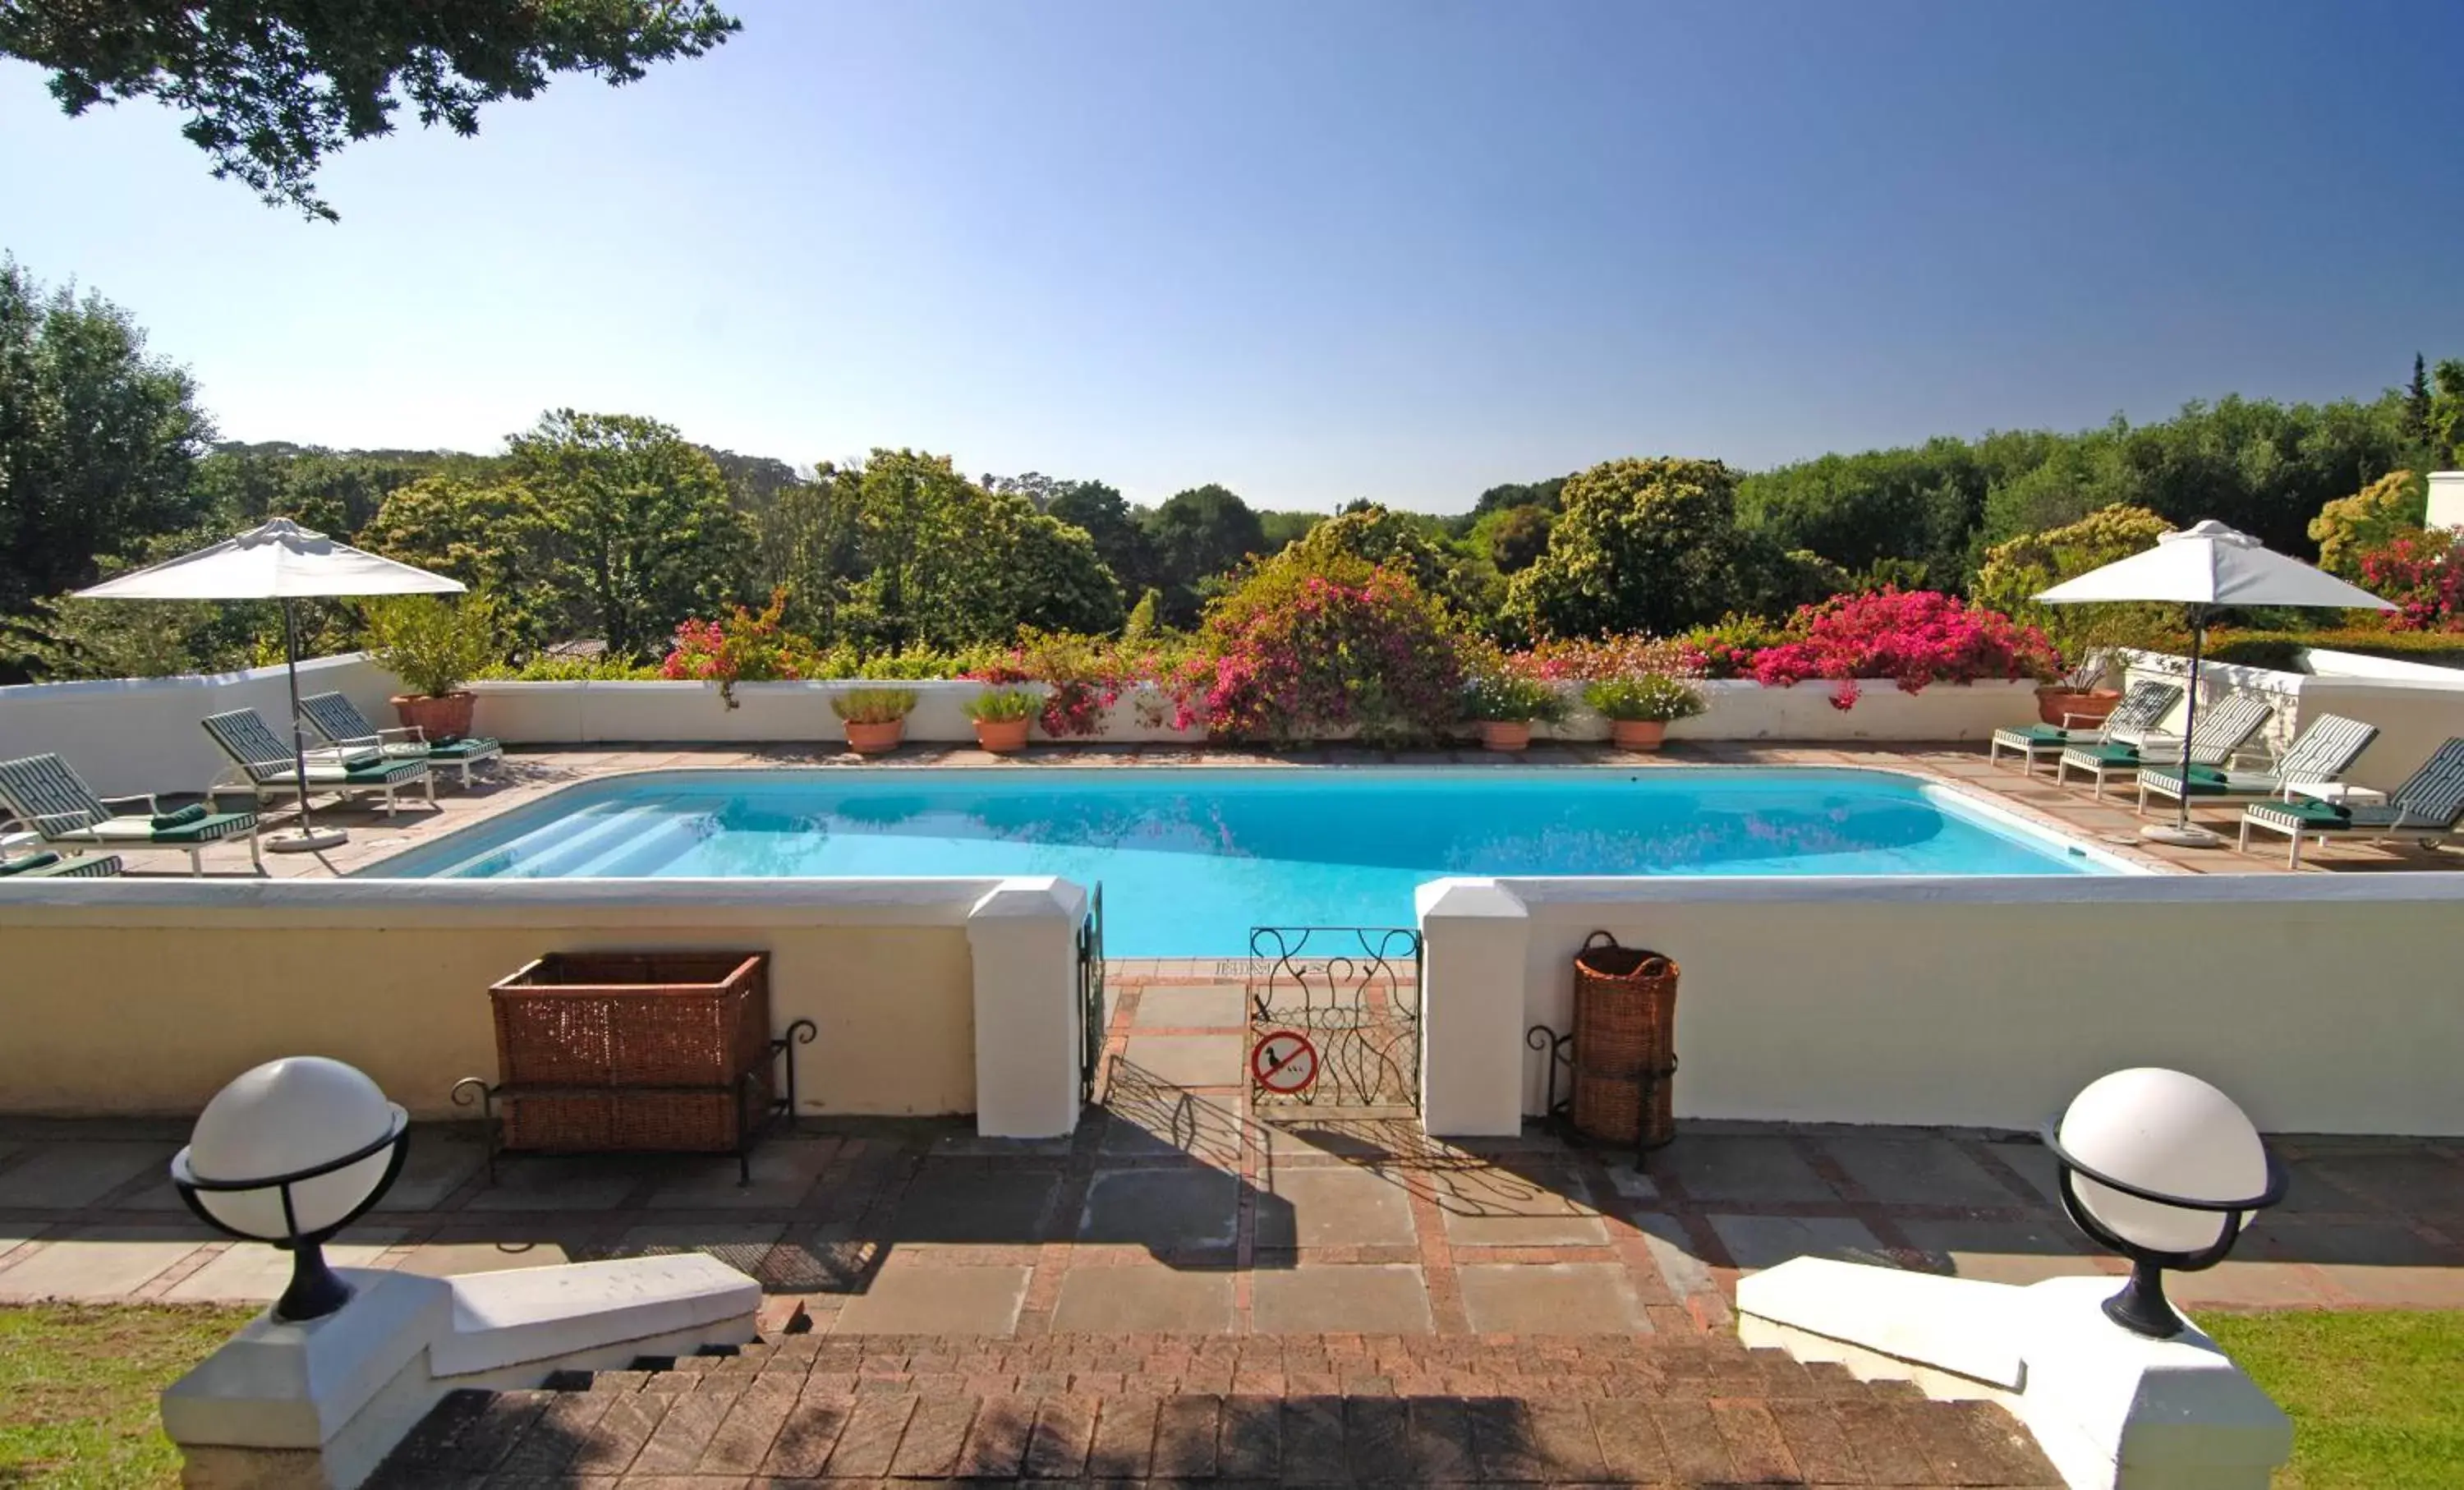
744, 648
1911, 637
2423, 573
1307, 650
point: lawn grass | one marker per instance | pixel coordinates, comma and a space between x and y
2377, 1399
77, 1384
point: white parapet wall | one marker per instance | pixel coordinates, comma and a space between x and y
2416, 707
591, 713
142, 735
2321, 1003
930, 995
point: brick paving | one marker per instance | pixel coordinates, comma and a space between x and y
1151, 1409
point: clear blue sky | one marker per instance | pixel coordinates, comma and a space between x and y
1393, 248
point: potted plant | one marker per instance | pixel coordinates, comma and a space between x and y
434, 647
1002, 716
1506, 705
875, 718
1640, 710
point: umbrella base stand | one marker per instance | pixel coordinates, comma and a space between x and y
2182, 838
312, 842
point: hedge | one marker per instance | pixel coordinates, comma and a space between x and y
2281, 651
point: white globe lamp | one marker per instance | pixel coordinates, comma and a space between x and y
291, 1152
2163, 1169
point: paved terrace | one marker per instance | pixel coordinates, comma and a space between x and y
527, 773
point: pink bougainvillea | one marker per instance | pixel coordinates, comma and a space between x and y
1296, 656
746, 647
2423, 573
1911, 637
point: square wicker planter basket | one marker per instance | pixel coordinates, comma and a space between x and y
659, 1051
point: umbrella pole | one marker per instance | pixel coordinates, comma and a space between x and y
307, 839
2183, 834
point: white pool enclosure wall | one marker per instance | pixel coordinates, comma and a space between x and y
2323, 1003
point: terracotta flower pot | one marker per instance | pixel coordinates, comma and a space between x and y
1637, 733
1003, 736
875, 739
1507, 734
438, 719
2085, 706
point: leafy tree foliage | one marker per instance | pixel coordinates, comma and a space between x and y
1514, 537
644, 535
1642, 545
2369, 518
340, 494
2016, 571
272, 87
1196, 533
1106, 516
97, 439
62, 638
491, 531
1285, 528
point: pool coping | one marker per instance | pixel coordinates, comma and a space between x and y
1997, 810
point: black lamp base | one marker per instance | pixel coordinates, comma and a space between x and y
316, 1290
2141, 1308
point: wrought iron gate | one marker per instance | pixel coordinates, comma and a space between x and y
1091, 996
1346, 1000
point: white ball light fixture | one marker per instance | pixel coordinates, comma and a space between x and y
2163, 1169
291, 1152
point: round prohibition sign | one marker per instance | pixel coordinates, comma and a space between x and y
1284, 1063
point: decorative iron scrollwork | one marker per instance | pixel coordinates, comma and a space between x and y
1354, 990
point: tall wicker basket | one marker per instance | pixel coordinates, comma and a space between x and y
1625, 1044
655, 1050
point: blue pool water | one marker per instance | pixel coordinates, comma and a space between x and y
1191, 858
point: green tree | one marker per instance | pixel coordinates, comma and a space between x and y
1642, 545
2014, 572
62, 638
272, 87
1515, 536
1013, 566
338, 493
2446, 422
1106, 516
644, 533
1277, 530
493, 533
2416, 401
2347, 527
1199, 533
97, 439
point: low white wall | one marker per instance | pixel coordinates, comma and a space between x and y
2322, 1004
1743, 710
144, 997
592, 713
2416, 708
142, 734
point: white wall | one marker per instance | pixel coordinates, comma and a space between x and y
142, 735
574, 713
2416, 708
2321, 1003
143, 996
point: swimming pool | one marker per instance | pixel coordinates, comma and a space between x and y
1191, 858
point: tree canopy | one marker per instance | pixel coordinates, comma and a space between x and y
1642, 545
1196, 533
272, 87
97, 439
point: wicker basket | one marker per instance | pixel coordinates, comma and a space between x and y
634, 1050
1625, 1039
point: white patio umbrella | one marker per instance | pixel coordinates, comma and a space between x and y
2204, 568
279, 560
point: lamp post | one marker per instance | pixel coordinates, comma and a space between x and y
2163, 1169
290, 1153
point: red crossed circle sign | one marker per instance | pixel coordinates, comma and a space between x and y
1284, 1063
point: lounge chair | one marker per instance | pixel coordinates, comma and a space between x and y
2325, 750
65, 814
340, 720
263, 764
2141, 710
48, 865
2222, 729
2427, 808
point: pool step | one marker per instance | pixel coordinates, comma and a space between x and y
551, 851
